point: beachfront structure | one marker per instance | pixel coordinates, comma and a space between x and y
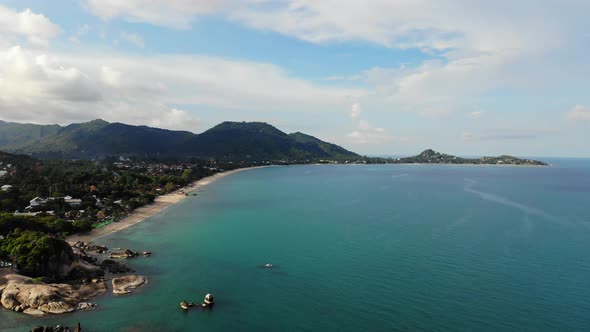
72, 201
6, 187
37, 201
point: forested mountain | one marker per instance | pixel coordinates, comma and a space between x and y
18, 134
226, 141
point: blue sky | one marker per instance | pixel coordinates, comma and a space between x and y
376, 76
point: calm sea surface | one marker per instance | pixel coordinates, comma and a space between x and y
363, 248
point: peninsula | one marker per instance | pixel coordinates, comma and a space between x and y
432, 157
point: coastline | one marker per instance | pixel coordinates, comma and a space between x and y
163, 202
160, 203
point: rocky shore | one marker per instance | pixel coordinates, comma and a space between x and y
77, 275
35, 298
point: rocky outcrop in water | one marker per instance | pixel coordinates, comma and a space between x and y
70, 277
124, 284
32, 297
57, 328
124, 254
115, 267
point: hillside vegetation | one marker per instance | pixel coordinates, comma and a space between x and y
226, 141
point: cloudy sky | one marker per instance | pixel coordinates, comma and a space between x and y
465, 77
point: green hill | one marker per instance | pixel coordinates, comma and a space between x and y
329, 148
226, 141
17, 134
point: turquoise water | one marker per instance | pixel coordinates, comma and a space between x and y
363, 248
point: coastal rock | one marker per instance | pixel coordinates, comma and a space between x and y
85, 306
20, 293
59, 307
115, 267
82, 270
124, 254
34, 312
122, 285
97, 248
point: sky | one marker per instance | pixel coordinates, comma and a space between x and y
379, 77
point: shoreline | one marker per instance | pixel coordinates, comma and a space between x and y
145, 212
163, 202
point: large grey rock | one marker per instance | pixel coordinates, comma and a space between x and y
123, 285
124, 254
34, 312
57, 307
21, 293
85, 306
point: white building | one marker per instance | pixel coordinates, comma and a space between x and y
37, 201
72, 201
6, 187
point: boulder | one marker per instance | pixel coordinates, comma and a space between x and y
31, 296
124, 254
58, 307
115, 267
123, 285
34, 312
97, 248
85, 306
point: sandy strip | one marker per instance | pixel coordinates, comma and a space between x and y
144, 212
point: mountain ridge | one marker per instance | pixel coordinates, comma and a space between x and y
225, 141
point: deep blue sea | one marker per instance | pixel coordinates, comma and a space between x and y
363, 248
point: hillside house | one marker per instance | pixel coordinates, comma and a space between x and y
72, 201
35, 202
6, 187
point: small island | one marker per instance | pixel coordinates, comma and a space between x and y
432, 157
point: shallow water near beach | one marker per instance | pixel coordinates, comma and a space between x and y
362, 248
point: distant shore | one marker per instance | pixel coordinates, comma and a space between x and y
160, 203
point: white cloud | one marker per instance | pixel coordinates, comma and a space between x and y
356, 111
133, 38
48, 87
364, 132
443, 25
37, 28
176, 119
480, 46
28, 76
176, 14
579, 113
369, 135
476, 114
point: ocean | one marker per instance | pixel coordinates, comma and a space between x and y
362, 248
